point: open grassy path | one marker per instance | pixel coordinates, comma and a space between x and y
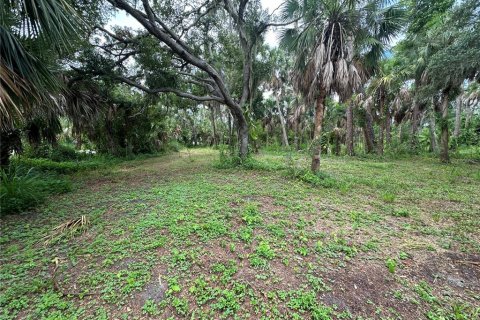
175, 237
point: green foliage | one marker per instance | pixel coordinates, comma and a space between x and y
180, 305
48, 165
184, 238
388, 197
315, 179
227, 161
317, 283
264, 250
57, 153
150, 308
251, 215
425, 292
401, 212
82, 163
335, 247
391, 265
22, 188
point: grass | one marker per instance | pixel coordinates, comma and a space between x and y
179, 237
22, 188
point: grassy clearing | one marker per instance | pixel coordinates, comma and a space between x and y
177, 237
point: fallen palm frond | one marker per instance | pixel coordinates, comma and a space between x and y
68, 228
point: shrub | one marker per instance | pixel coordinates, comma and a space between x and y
227, 161
315, 179
48, 165
22, 188
57, 153
65, 153
174, 146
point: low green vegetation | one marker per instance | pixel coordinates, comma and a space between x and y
177, 237
185, 166
22, 187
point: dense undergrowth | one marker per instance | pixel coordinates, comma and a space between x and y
22, 188
34, 175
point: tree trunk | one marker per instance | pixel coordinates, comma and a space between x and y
282, 124
415, 125
243, 138
214, 126
337, 136
382, 123
458, 116
295, 139
469, 112
267, 135
400, 132
296, 125
368, 131
444, 157
349, 137
431, 127
317, 133
242, 129
388, 126
78, 144
230, 130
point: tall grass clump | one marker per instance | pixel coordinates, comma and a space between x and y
22, 188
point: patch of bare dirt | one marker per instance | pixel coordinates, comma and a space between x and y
363, 287
448, 273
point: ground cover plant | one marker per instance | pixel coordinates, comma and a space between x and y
239, 159
177, 237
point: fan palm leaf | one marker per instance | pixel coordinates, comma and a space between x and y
344, 39
25, 80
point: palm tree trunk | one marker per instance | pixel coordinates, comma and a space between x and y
296, 125
458, 116
368, 131
415, 125
349, 137
337, 136
282, 123
444, 157
388, 126
295, 139
382, 123
431, 127
78, 144
469, 113
317, 133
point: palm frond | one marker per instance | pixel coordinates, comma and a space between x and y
54, 20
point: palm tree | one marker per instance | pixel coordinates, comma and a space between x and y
382, 86
26, 83
337, 43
